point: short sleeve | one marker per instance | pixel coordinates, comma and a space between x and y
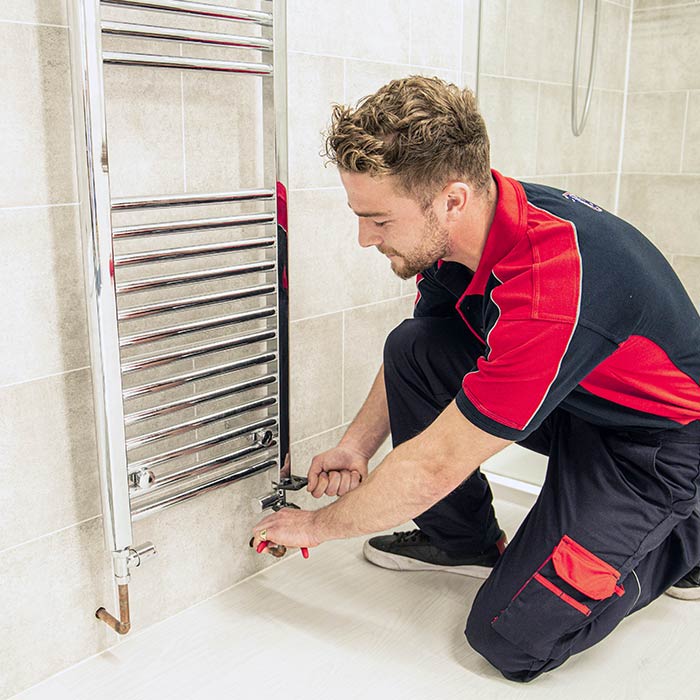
529, 368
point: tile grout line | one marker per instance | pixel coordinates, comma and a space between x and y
555, 83
410, 31
323, 432
352, 308
39, 206
342, 368
667, 7
684, 131
393, 64
33, 24
658, 174
625, 100
42, 377
50, 534
659, 92
537, 124
505, 39
460, 68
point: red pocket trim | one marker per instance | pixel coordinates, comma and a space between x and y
585, 610
585, 571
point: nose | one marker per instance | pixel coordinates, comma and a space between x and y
366, 236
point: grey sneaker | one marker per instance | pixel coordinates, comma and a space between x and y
688, 588
412, 551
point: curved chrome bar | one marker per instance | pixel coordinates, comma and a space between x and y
122, 58
199, 9
188, 200
145, 31
576, 125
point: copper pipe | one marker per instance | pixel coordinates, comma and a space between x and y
120, 626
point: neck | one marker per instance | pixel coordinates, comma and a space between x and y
468, 244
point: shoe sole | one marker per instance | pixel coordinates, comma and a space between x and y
684, 593
399, 563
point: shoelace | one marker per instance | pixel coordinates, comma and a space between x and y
411, 536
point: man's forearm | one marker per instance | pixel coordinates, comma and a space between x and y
413, 477
370, 427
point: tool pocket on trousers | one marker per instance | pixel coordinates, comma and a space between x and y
557, 599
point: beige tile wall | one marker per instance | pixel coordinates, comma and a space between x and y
344, 300
527, 51
173, 133
661, 165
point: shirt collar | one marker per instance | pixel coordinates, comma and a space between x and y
508, 228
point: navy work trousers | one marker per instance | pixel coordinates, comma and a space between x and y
614, 526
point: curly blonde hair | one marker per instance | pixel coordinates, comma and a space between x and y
423, 131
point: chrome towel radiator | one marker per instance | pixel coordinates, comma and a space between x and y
152, 376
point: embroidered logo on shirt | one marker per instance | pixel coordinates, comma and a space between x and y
575, 198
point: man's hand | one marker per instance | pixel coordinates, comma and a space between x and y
289, 526
336, 471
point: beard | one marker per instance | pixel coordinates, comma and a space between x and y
435, 245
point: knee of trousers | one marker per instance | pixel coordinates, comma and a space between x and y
513, 663
404, 336
410, 336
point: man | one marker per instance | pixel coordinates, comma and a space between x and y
540, 319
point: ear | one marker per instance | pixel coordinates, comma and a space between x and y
457, 197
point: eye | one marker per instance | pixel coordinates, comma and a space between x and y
379, 224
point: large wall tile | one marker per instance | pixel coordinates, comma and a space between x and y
339, 28
611, 59
316, 375
45, 11
643, 202
540, 39
364, 78
560, 182
227, 131
470, 37
328, 270
558, 150
44, 318
202, 547
493, 37
691, 144
315, 83
598, 188
50, 590
38, 160
609, 130
47, 455
664, 49
654, 132
435, 42
688, 269
510, 110
144, 121
366, 330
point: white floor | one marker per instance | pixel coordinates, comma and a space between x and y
335, 626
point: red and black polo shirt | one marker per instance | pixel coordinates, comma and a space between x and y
574, 308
